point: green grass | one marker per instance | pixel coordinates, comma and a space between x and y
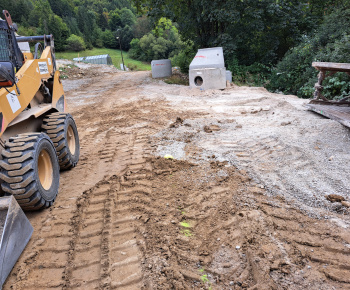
114, 53
185, 224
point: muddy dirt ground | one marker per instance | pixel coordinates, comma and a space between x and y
243, 204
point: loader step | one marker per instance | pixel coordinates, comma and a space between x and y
337, 113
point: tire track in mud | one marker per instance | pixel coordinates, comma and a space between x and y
88, 262
278, 165
99, 248
106, 252
126, 270
238, 237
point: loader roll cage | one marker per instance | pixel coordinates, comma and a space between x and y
9, 50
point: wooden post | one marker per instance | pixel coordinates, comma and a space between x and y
319, 87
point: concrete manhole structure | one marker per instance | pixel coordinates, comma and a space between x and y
207, 69
161, 68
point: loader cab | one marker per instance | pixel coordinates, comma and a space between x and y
11, 57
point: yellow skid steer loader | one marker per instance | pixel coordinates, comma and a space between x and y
37, 136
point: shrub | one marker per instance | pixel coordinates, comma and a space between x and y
184, 58
135, 51
75, 43
109, 39
294, 73
163, 42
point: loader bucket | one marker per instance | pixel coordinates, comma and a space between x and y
15, 232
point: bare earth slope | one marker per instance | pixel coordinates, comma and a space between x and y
242, 205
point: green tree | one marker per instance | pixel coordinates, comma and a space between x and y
249, 30
87, 23
97, 37
142, 27
75, 43
72, 25
109, 39
163, 42
103, 19
18, 9
39, 15
59, 30
114, 20
126, 35
127, 18
62, 7
294, 73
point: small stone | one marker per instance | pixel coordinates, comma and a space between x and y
309, 267
286, 123
331, 158
335, 198
211, 128
232, 283
218, 239
255, 110
238, 247
345, 203
173, 222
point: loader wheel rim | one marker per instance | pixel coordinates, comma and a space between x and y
71, 139
45, 169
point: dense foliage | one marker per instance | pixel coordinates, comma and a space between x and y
330, 43
266, 42
249, 30
162, 42
258, 35
97, 23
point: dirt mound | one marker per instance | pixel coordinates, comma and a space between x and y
78, 70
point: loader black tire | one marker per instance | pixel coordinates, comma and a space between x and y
30, 170
61, 128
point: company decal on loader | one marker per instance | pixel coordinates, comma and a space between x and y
43, 68
13, 101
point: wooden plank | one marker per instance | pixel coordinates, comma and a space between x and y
332, 66
336, 113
